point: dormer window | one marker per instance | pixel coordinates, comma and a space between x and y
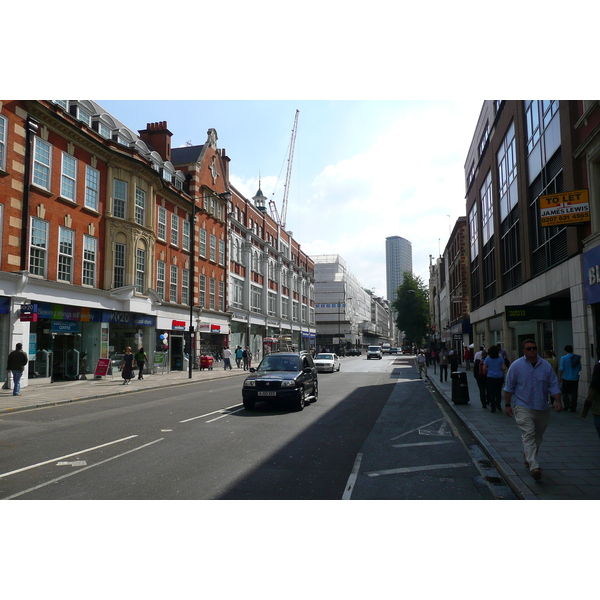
122, 136
179, 180
168, 171
80, 113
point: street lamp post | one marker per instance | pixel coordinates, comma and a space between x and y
192, 349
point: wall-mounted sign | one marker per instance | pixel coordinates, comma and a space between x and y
565, 208
591, 275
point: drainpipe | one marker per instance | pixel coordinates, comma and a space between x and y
32, 129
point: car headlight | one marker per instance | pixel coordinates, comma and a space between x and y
250, 383
288, 383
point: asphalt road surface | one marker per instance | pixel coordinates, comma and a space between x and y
376, 432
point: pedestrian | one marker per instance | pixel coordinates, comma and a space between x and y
481, 378
467, 357
422, 364
529, 381
504, 355
141, 358
16, 362
550, 356
249, 356
443, 359
568, 377
477, 362
453, 361
127, 366
238, 357
226, 358
494, 369
245, 358
592, 400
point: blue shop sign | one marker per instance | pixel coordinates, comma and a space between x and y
591, 275
126, 318
65, 326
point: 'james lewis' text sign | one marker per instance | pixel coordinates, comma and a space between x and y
565, 208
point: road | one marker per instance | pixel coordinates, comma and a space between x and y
376, 432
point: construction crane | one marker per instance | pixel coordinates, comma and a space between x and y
281, 219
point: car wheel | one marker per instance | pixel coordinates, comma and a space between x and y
249, 404
301, 401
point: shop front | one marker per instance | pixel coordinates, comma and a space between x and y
66, 342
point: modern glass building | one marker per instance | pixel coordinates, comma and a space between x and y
398, 259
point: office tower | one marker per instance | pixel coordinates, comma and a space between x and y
398, 259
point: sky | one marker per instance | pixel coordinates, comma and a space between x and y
361, 170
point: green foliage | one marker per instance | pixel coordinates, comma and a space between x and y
412, 308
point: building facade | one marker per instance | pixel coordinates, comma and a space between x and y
398, 260
111, 238
526, 276
271, 281
347, 315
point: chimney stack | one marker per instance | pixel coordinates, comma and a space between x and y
158, 137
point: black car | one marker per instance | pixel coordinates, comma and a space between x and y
353, 352
282, 376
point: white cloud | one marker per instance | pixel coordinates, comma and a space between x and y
407, 180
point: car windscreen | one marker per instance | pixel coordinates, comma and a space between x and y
280, 363
325, 356
374, 348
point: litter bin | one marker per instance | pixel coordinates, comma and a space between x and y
460, 388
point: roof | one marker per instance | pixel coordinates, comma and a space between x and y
186, 154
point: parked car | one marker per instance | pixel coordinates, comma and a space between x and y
282, 377
374, 352
327, 361
394, 351
353, 352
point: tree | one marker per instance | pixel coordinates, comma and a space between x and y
412, 308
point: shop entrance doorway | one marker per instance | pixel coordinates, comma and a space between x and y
176, 348
65, 356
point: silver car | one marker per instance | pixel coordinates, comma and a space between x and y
327, 361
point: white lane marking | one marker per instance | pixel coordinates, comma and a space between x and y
37, 487
66, 456
352, 478
422, 444
225, 414
414, 469
214, 412
71, 463
416, 429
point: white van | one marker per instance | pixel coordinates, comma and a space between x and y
374, 352
386, 348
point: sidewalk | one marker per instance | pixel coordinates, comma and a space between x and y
569, 455
34, 396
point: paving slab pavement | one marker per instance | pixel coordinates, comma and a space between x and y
569, 454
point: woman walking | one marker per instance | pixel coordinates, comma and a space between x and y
127, 366
141, 358
494, 369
